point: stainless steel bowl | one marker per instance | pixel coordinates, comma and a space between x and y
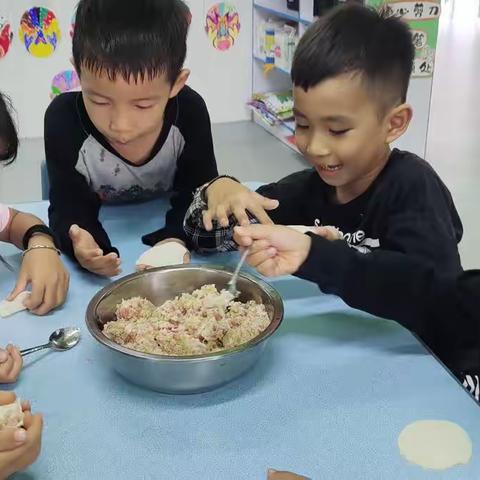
186, 374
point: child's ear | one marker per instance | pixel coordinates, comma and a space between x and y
179, 82
398, 121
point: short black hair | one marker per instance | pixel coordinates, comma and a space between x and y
131, 38
8, 132
356, 39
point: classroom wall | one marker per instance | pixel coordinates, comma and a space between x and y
223, 78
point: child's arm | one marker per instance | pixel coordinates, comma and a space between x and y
224, 203
11, 363
387, 284
41, 264
196, 165
72, 202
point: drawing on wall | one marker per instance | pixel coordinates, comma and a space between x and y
6, 36
422, 18
39, 31
72, 23
222, 25
65, 81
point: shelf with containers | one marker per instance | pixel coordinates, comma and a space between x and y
277, 28
272, 59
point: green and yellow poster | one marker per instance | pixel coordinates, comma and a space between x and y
422, 17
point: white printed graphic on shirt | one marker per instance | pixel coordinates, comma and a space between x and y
357, 240
116, 181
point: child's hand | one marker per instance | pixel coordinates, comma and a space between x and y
227, 197
274, 475
11, 363
329, 233
274, 250
19, 447
44, 270
11, 438
90, 256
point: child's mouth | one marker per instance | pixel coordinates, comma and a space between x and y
330, 168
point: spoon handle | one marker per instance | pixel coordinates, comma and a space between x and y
28, 351
234, 278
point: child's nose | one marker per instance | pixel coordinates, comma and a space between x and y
317, 147
119, 123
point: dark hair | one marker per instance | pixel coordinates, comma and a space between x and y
8, 132
356, 39
139, 38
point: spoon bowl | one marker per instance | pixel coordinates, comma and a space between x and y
65, 338
60, 340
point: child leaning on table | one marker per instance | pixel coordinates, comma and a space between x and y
350, 77
41, 264
135, 132
443, 309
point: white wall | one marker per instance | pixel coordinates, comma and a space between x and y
419, 97
223, 78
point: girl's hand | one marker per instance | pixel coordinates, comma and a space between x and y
11, 363
19, 447
11, 438
43, 269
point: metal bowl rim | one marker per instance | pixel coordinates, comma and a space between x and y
95, 331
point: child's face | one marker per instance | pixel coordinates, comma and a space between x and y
340, 132
128, 114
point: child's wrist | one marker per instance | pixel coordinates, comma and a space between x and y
41, 239
34, 231
215, 182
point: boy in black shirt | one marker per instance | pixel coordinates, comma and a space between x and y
442, 309
136, 130
350, 73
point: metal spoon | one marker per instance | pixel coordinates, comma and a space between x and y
232, 284
61, 339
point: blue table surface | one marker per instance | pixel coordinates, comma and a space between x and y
328, 399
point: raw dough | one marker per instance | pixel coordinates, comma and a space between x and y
10, 308
11, 415
166, 254
435, 444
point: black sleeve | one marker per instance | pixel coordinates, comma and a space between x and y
440, 308
420, 234
196, 165
292, 195
387, 284
71, 199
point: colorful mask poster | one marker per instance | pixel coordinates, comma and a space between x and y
422, 18
66, 81
72, 24
39, 31
6, 36
222, 25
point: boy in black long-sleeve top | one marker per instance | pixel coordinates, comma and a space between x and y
441, 308
351, 72
136, 130
396, 253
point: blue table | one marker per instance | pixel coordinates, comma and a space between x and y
328, 399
